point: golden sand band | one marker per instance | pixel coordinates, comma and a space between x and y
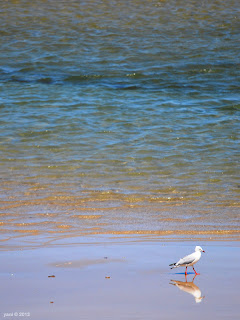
91, 231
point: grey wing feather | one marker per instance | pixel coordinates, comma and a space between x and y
186, 260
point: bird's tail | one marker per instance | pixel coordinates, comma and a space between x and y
173, 264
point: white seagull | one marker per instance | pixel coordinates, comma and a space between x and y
189, 260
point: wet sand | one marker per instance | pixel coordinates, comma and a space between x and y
120, 279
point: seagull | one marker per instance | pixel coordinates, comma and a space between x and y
189, 260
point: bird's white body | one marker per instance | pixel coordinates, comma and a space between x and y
189, 260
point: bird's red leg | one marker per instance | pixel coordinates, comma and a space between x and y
195, 271
186, 271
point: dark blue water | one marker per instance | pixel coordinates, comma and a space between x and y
119, 116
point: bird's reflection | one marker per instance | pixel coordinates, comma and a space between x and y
189, 287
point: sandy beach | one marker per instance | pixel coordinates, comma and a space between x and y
120, 279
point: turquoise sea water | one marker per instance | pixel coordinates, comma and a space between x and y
119, 116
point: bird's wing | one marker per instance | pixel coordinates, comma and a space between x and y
187, 260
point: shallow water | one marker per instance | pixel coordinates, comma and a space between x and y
119, 117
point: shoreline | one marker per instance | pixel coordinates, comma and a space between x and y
32, 242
